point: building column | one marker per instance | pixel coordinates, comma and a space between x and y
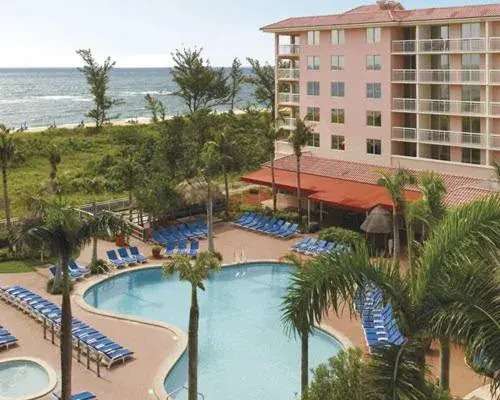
308, 212
417, 87
487, 91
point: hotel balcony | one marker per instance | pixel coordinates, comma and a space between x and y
404, 46
289, 50
495, 77
403, 134
462, 139
287, 123
452, 45
404, 75
452, 107
494, 44
289, 99
466, 76
404, 105
495, 109
289, 74
495, 142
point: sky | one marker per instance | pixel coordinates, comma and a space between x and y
144, 33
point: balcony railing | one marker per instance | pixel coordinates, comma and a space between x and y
495, 76
287, 123
452, 138
404, 75
289, 50
404, 46
452, 76
452, 45
404, 104
405, 134
495, 109
494, 44
452, 107
289, 98
495, 141
289, 73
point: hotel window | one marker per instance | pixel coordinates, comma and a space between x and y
313, 38
373, 35
337, 89
313, 63
471, 156
338, 142
471, 126
409, 149
337, 63
471, 61
338, 115
373, 91
470, 34
338, 36
313, 140
440, 152
373, 146
313, 88
312, 114
373, 118
374, 63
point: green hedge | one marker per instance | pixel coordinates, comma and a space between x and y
290, 216
343, 236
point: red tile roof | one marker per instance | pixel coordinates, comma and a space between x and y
373, 14
461, 189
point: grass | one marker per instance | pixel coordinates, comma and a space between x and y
19, 266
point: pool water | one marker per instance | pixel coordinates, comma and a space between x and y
244, 352
21, 379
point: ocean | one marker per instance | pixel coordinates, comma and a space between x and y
41, 97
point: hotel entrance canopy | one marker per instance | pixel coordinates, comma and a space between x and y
342, 193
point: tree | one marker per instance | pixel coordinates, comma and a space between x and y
128, 173
461, 250
299, 138
195, 273
236, 79
395, 186
199, 84
54, 160
263, 78
7, 152
295, 317
97, 77
55, 226
271, 134
156, 107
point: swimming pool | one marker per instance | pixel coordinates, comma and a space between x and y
243, 351
25, 379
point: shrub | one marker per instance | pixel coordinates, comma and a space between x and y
218, 255
99, 267
57, 289
156, 251
4, 239
343, 236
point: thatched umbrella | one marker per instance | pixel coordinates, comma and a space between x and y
379, 220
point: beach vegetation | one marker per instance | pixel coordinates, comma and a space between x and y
156, 107
263, 79
236, 80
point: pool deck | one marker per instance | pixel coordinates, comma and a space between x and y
153, 345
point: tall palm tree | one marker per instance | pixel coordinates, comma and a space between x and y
55, 226
225, 144
195, 273
54, 160
428, 306
7, 151
295, 317
128, 173
299, 138
395, 186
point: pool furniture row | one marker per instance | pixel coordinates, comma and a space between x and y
267, 224
77, 396
185, 231
379, 323
76, 271
121, 257
98, 346
171, 248
6, 338
315, 247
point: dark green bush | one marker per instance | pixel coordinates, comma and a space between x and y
99, 267
343, 236
56, 289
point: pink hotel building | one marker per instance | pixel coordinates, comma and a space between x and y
393, 87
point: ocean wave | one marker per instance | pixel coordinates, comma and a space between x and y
143, 93
13, 101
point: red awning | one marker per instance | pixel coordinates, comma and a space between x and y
338, 192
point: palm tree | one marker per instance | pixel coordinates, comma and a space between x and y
299, 138
225, 144
55, 226
395, 185
7, 151
271, 133
295, 317
435, 302
128, 173
194, 273
54, 160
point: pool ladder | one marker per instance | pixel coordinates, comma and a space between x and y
240, 258
200, 395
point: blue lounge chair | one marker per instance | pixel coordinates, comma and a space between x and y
113, 258
7, 341
242, 218
182, 228
282, 229
275, 227
196, 230
182, 249
267, 225
77, 396
122, 252
292, 230
194, 248
327, 249
138, 256
164, 232
73, 266
158, 238
257, 221
72, 275
202, 226
170, 249
314, 248
254, 221
301, 242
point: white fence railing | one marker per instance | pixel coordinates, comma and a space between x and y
495, 76
289, 73
495, 109
452, 45
452, 138
495, 141
404, 75
287, 123
290, 98
404, 46
494, 43
400, 104
289, 50
452, 76
452, 107
406, 134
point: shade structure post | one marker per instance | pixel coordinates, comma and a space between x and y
320, 212
308, 212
